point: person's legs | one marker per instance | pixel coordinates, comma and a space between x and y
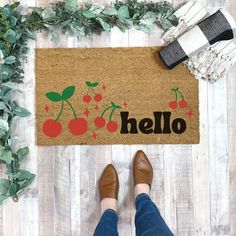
108, 190
148, 220
107, 225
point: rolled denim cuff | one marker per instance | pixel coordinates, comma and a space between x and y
141, 197
109, 212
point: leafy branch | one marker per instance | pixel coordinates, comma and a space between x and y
17, 28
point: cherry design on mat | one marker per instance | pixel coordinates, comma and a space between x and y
53, 128
111, 125
46, 108
174, 104
189, 113
91, 86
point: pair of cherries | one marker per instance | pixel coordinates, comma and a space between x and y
90, 88
174, 104
77, 126
111, 125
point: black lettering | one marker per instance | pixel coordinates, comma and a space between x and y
125, 122
179, 125
145, 126
157, 128
166, 129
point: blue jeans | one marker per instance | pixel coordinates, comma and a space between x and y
148, 221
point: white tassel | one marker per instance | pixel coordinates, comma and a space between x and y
189, 15
211, 64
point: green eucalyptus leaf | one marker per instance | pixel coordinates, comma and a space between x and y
24, 178
54, 96
37, 10
24, 174
149, 18
104, 25
10, 35
14, 188
4, 125
10, 60
89, 14
2, 198
21, 111
48, 13
123, 12
3, 75
7, 69
2, 106
30, 34
13, 21
6, 155
110, 11
165, 24
2, 133
4, 186
96, 8
174, 20
144, 28
68, 92
71, 6
22, 153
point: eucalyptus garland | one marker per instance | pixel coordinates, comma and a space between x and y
17, 28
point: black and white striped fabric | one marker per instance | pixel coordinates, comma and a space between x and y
217, 27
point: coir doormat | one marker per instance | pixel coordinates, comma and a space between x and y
113, 96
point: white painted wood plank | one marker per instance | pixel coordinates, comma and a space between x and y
184, 188
75, 192
93, 161
218, 155
170, 189
231, 92
121, 159
218, 151
62, 192
232, 148
46, 190
201, 185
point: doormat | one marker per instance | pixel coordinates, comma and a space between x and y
113, 96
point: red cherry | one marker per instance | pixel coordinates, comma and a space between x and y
52, 128
87, 98
98, 97
173, 104
182, 104
78, 126
112, 126
100, 122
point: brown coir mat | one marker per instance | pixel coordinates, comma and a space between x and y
113, 96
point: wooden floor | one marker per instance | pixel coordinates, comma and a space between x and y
194, 185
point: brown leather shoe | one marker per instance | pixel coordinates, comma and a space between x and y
109, 183
142, 169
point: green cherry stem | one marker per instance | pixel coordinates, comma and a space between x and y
71, 107
110, 117
176, 93
93, 91
182, 96
62, 107
88, 91
103, 113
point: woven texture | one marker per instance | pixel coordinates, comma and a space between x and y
132, 79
